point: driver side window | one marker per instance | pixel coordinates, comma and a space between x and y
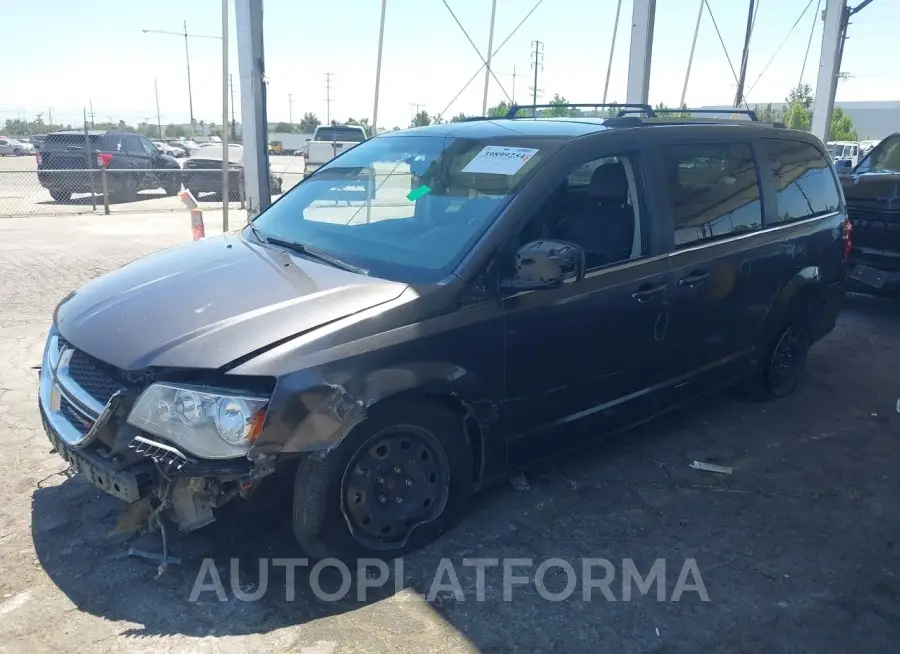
596, 208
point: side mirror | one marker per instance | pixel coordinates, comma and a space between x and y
545, 264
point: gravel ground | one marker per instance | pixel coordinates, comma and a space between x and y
797, 549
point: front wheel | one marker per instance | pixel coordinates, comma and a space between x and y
395, 483
61, 196
173, 185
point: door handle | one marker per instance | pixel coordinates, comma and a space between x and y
694, 279
647, 293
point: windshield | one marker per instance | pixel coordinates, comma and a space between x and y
406, 208
885, 158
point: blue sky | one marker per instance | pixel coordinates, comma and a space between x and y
65, 53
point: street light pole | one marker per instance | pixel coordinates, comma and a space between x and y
226, 158
378, 69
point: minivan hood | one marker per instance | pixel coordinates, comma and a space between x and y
205, 304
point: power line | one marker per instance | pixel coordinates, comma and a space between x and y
472, 79
722, 41
477, 51
809, 42
778, 49
612, 50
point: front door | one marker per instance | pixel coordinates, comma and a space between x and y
582, 358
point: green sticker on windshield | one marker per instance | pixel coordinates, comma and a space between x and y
418, 192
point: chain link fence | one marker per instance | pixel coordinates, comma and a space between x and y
27, 191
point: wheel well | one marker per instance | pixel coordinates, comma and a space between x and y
452, 403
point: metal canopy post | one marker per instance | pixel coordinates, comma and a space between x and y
251, 65
829, 66
642, 20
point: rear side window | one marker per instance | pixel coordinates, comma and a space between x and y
71, 141
714, 190
345, 134
805, 186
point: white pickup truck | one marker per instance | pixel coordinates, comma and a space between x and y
328, 141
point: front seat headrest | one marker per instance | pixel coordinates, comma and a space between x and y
609, 181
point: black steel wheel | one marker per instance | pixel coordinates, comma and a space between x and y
397, 481
787, 360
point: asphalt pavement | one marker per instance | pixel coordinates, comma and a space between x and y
797, 548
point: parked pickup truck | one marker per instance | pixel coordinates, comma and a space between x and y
329, 141
872, 190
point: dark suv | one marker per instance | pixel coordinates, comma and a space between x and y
69, 162
873, 203
509, 289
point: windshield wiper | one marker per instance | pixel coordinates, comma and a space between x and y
313, 253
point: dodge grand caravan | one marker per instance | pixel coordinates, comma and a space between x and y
504, 290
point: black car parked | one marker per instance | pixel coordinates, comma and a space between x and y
873, 203
66, 159
526, 286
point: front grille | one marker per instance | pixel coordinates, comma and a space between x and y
92, 377
875, 228
74, 418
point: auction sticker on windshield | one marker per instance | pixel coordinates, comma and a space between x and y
499, 160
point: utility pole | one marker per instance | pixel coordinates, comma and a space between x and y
378, 69
742, 78
233, 122
487, 63
226, 151
537, 63
291, 110
158, 120
417, 107
187, 56
328, 98
50, 116
687, 74
92, 113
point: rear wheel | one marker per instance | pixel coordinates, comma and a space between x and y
173, 185
61, 196
778, 374
395, 483
128, 192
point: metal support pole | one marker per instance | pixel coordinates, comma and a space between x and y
187, 56
104, 186
378, 69
226, 158
642, 22
487, 63
251, 65
612, 50
88, 152
829, 66
158, 119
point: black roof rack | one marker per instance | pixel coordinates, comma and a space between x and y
675, 110
646, 109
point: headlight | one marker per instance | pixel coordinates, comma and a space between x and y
209, 423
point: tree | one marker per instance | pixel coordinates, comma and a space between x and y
798, 113
422, 118
672, 113
362, 122
768, 114
283, 127
458, 118
500, 110
557, 109
842, 128
309, 122
175, 131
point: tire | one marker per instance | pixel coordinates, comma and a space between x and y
18, 153
173, 185
128, 192
61, 196
337, 490
776, 376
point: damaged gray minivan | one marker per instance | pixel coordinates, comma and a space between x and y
440, 306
